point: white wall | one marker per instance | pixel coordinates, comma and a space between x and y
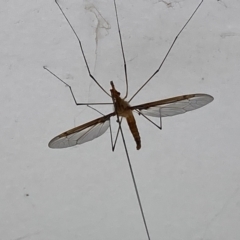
187, 174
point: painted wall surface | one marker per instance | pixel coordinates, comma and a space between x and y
188, 174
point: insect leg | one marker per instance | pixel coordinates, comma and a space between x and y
160, 125
133, 178
116, 138
95, 110
111, 137
124, 60
169, 50
110, 126
70, 88
83, 54
160, 119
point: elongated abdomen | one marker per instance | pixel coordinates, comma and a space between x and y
134, 130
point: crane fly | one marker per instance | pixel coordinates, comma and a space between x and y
123, 109
162, 108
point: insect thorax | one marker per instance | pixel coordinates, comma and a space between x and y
122, 107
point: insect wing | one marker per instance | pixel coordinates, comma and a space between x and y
82, 133
174, 106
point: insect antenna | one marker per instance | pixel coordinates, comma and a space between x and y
169, 50
80, 44
124, 60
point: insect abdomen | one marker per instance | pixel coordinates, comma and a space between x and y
134, 130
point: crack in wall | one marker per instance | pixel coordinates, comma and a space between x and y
27, 236
102, 26
229, 34
169, 4
101, 31
216, 215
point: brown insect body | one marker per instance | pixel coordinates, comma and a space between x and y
123, 109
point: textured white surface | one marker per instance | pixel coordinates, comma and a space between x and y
188, 174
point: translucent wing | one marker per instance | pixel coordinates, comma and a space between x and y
173, 106
82, 134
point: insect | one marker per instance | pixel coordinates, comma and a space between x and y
161, 108
122, 107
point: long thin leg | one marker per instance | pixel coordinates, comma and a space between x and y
110, 126
160, 118
80, 44
116, 138
131, 170
160, 125
124, 60
167, 52
95, 110
70, 88
134, 181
